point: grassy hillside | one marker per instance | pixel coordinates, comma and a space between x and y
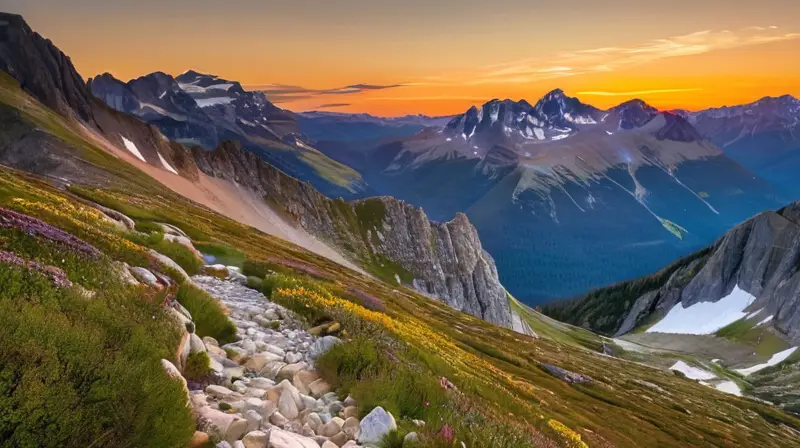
103, 367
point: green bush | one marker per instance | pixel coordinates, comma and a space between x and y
255, 283
181, 255
392, 439
149, 227
207, 314
363, 369
77, 373
198, 365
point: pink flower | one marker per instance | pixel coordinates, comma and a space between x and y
447, 433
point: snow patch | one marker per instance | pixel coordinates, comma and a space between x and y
705, 317
208, 102
166, 164
729, 387
133, 149
609, 133
449, 139
559, 137
539, 132
694, 373
767, 319
777, 358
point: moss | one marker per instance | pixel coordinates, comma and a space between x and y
371, 213
207, 314
222, 253
198, 365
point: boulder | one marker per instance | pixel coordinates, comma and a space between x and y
272, 368
351, 427
254, 420
259, 360
375, 425
278, 419
322, 345
144, 276
283, 439
287, 405
219, 392
329, 444
169, 262
318, 388
329, 429
288, 371
339, 439
175, 374
229, 427
199, 440
256, 439
196, 344
410, 438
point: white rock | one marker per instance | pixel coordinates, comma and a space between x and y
284, 439
144, 276
375, 425
261, 383
322, 345
256, 439
254, 420
219, 392
293, 357
287, 405
278, 419
196, 344
229, 427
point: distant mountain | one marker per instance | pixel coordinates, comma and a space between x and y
205, 110
764, 136
568, 197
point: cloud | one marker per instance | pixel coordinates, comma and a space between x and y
637, 92
604, 59
279, 93
332, 105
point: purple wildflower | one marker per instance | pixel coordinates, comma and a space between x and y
34, 227
56, 275
447, 433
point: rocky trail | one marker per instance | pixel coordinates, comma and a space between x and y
264, 392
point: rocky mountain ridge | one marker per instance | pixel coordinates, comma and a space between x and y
387, 235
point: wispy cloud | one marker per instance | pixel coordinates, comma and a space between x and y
332, 105
279, 93
606, 59
637, 92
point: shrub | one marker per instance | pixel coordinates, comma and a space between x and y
149, 227
255, 283
198, 365
208, 316
180, 254
76, 372
392, 439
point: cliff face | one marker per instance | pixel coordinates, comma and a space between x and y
391, 238
761, 256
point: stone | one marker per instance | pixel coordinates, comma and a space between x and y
261, 383
349, 401
418, 423
239, 386
308, 402
307, 431
223, 444
375, 425
209, 341
256, 439
229, 427
329, 444
335, 407
350, 411
255, 392
271, 369
199, 440
351, 427
254, 420
196, 344
175, 374
329, 429
288, 371
350, 444
238, 444
339, 439
293, 357
219, 392
234, 372
410, 438
287, 405
318, 388
235, 352
169, 262
322, 345
144, 276
283, 439
313, 420
259, 360
278, 419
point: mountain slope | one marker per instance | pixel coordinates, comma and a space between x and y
547, 187
387, 237
763, 136
105, 344
204, 110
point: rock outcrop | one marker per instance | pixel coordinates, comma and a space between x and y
761, 256
443, 260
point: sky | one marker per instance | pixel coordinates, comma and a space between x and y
436, 57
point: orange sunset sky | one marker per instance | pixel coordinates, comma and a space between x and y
440, 57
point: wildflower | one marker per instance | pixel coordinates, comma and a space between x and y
447, 433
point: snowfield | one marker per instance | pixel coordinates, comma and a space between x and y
694, 373
166, 164
705, 317
777, 358
729, 387
130, 146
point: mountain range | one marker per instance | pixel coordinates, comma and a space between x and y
97, 187
566, 196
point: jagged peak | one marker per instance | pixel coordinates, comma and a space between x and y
636, 102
